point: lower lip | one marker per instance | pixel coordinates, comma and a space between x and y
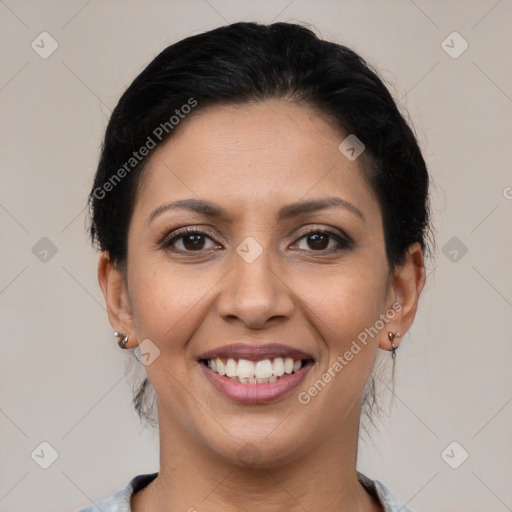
256, 393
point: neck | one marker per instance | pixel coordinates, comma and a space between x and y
194, 478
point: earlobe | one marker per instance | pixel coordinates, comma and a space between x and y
405, 289
113, 285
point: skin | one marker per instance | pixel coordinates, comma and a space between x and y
252, 160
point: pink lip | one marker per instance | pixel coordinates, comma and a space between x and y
256, 393
255, 352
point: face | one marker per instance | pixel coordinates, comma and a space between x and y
310, 279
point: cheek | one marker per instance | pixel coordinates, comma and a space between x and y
345, 308
168, 302
342, 306
346, 302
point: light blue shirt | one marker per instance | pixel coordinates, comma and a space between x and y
120, 501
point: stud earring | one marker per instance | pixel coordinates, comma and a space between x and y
122, 339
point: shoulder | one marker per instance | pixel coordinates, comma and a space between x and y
389, 502
120, 501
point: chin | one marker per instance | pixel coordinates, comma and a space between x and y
257, 451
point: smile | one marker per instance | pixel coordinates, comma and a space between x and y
255, 372
255, 390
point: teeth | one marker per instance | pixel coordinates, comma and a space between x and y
250, 372
231, 368
245, 368
288, 365
278, 367
263, 369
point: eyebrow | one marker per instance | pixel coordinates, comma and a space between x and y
214, 211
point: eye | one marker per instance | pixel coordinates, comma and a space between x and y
194, 240
318, 240
191, 240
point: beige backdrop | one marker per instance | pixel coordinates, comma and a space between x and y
62, 374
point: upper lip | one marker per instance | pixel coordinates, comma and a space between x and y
255, 352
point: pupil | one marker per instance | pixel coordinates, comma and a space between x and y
196, 241
319, 237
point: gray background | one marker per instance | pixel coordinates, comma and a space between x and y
61, 372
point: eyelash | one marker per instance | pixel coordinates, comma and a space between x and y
166, 243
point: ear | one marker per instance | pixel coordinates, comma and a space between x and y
113, 285
404, 291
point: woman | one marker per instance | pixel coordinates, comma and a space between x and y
262, 212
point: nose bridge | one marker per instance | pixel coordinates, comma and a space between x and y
254, 266
254, 291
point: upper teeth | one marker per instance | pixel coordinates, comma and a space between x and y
264, 369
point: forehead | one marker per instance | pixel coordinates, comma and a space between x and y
255, 157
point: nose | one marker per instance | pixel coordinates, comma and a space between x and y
255, 293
